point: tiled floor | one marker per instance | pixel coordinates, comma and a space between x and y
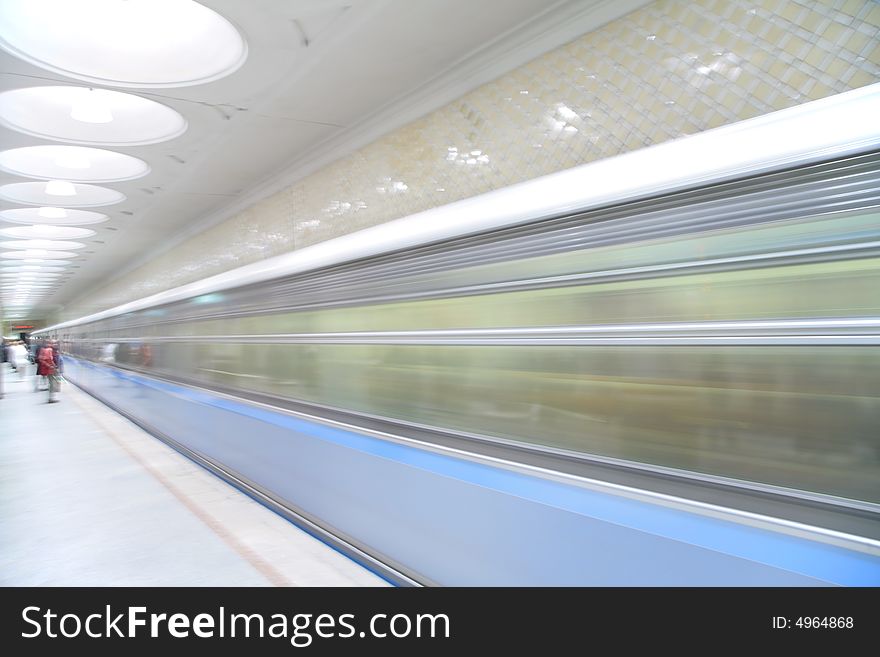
89, 499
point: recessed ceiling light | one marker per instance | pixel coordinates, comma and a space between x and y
46, 232
138, 43
58, 188
19, 267
72, 163
32, 216
52, 213
24, 286
33, 291
38, 256
29, 276
80, 115
90, 107
40, 285
51, 245
70, 218
43, 261
60, 192
43, 266
73, 160
37, 289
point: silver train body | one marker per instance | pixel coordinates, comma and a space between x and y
675, 383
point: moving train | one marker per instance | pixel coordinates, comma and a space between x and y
658, 369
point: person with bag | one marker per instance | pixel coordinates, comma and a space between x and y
48, 360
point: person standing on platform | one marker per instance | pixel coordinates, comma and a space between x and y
18, 356
49, 360
38, 378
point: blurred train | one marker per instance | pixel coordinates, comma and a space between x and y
661, 368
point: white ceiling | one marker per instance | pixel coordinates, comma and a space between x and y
318, 73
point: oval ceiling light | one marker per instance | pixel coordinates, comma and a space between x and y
20, 266
55, 192
60, 188
14, 267
52, 212
39, 256
72, 163
45, 264
80, 115
137, 43
46, 232
31, 283
46, 245
24, 286
18, 269
38, 216
29, 275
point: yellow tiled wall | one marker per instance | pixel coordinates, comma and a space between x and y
672, 68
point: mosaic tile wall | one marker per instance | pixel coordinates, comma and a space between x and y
672, 68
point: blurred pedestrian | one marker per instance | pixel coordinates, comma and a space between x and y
38, 378
49, 362
18, 356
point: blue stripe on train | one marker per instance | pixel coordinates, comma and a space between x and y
822, 561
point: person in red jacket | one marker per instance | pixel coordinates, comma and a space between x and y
39, 378
47, 365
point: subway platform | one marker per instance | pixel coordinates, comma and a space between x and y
90, 499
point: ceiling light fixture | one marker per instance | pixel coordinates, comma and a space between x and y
38, 256
60, 188
72, 163
40, 261
75, 196
30, 276
51, 245
90, 108
138, 43
91, 117
46, 194
48, 232
25, 286
52, 215
12, 267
